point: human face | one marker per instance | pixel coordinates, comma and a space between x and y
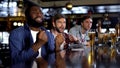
36, 14
60, 25
87, 24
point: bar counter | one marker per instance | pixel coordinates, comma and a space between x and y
100, 56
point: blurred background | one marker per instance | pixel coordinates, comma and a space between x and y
12, 16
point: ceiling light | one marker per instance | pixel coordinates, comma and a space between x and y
20, 4
69, 6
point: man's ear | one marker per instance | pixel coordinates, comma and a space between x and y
81, 23
53, 23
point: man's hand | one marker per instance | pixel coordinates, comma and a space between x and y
59, 40
60, 62
40, 40
72, 38
41, 37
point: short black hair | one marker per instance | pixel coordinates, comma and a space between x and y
85, 17
28, 7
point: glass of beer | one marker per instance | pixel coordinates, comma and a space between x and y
117, 28
113, 38
92, 37
100, 38
105, 37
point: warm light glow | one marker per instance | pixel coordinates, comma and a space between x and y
15, 24
22, 24
69, 6
89, 59
19, 24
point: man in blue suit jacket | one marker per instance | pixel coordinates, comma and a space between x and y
31, 41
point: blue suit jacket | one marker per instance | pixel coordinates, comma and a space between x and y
22, 55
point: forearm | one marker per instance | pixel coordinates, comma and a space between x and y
36, 46
60, 61
22, 56
19, 53
57, 48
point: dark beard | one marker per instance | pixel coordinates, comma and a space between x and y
57, 29
33, 23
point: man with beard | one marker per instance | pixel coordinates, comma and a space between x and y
62, 39
31, 42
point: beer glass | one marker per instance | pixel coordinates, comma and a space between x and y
105, 37
100, 38
117, 28
91, 34
91, 59
113, 38
113, 54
